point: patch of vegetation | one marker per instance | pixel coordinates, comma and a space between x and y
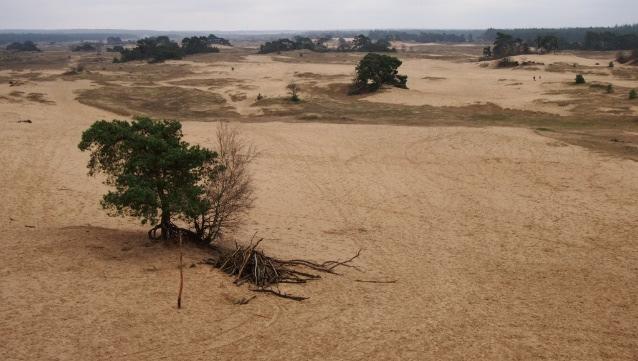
197, 45
625, 58
633, 94
374, 70
24, 46
507, 62
112, 40
153, 49
505, 45
162, 102
298, 43
84, 47
580, 79
364, 44
214, 40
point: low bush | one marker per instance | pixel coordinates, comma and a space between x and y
507, 62
580, 79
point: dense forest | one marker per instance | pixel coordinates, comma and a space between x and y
601, 38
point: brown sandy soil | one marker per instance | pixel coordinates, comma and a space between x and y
505, 244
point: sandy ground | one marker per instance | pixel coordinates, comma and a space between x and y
505, 245
431, 81
444, 83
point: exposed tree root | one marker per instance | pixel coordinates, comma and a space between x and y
249, 265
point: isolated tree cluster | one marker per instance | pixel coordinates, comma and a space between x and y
297, 43
505, 45
161, 48
24, 46
375, 70
84, 47
162, 180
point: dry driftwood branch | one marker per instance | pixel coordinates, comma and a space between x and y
250, 265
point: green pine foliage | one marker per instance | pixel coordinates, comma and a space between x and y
374, 70
154, 175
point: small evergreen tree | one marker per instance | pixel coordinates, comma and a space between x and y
155, 175
374, 70
580, 79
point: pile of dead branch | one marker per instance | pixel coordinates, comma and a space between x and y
250, 265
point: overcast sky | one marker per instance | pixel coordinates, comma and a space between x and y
311, 15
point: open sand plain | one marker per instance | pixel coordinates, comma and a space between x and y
511, 233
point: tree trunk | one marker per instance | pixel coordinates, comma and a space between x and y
165, 225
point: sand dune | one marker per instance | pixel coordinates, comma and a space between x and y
505, 245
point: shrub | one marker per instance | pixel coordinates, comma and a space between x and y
610, 88
293, 90
507, 62
633, 94
611, 64
374, 70
84, 47
580, 79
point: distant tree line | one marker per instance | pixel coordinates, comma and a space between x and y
297, 43
420, 37
6, 38
610, 41
602, 38
360, 43
84, 47
506, 45
24, 46
160, 48
214, 40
